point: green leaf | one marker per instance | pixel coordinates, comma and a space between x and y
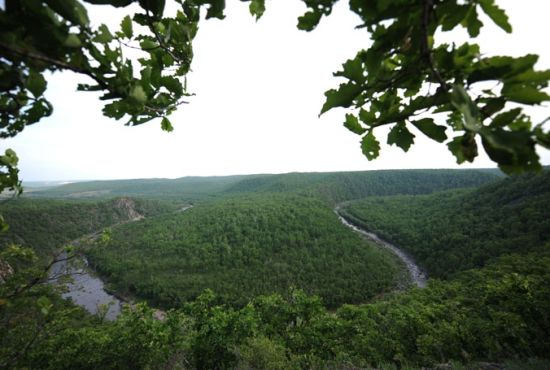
309, 21
115, 3
72, 41
464, 148
492, 106
524, 94
166, 125
401, 136
72, 10
496, 14
172, 84
502, 68
9, 158
353, 70
154, 6
148, 45
532, 76
462, 102
44, 304
504, 119
453, 14
543, 138
36, 83
38, 110
113, 110
215, 9
370, 146
367, 117
126, 26
139, 94
257, 8
103, 35
514, 151
352, 124
430, 129
343, 97
472, 22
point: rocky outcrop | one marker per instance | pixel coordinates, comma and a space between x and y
127, 207
5, 271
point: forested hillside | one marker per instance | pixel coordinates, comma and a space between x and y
462, 229
333, 186
497, 314
243, 247
187, 187
47, 224
285, 235
261, 274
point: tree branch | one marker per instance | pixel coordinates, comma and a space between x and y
427, 54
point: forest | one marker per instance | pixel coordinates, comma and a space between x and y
454, 231
243, 247
260, 274
280, 271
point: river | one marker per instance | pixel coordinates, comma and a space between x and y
84, 288
417, 275
87, 290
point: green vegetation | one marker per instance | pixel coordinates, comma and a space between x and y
333, 186
458, 230
403, 73
291, 287
495, 313
188, 188
45, 225
244, 247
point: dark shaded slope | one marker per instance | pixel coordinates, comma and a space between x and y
339, 186
461, 229
47, 224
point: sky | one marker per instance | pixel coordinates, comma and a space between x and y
258, 92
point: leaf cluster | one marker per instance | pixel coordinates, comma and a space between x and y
405, 80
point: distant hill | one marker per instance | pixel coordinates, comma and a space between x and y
333, 186
186, 187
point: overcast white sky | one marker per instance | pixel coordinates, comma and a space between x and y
259, 88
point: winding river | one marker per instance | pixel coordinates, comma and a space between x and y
417, 276
87, 290
84, 288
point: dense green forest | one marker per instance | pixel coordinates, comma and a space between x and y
48, 224
243, 247
290, 287
285, 235
457, 230
334, 186
497, 313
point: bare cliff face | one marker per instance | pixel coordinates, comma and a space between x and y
127, 207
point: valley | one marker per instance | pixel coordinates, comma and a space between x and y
377, 269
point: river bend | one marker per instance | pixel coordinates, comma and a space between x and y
417, 275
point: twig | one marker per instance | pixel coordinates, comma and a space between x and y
37, 279
54, 62
425, 48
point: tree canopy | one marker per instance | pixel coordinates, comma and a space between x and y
453, 94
